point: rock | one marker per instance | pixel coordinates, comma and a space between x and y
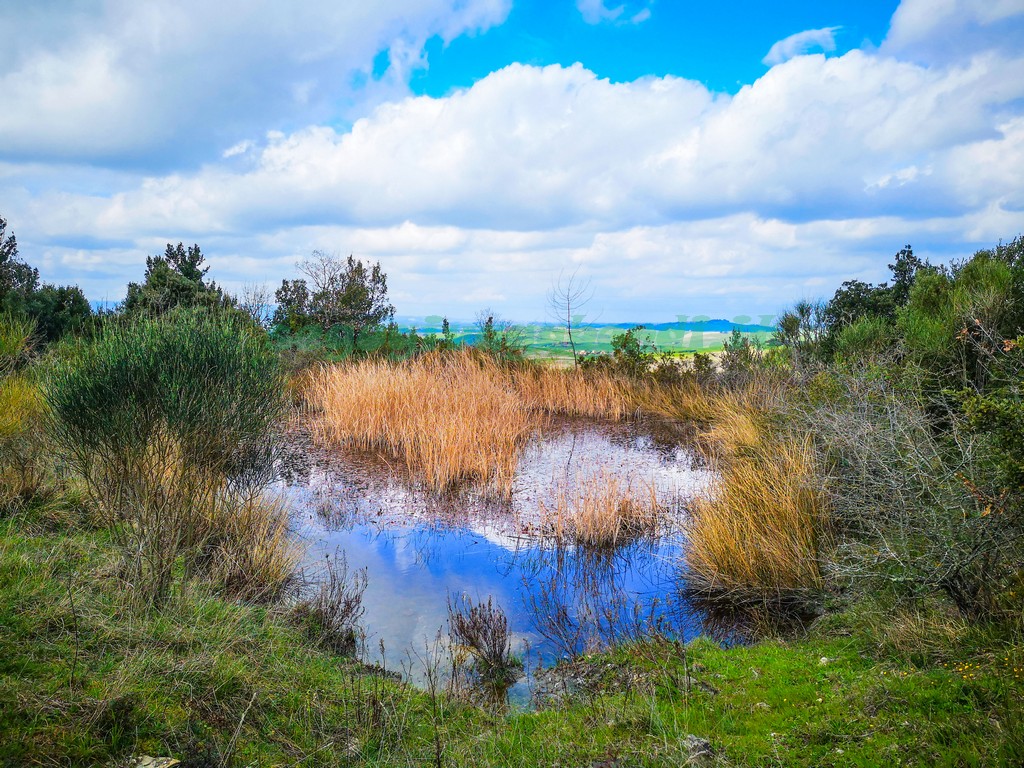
145, 761
824, 660
698, 751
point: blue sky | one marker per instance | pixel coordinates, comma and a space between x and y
718, 44
688, 157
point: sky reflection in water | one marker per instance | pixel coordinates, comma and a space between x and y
418, 549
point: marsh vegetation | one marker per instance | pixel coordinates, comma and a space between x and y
172, 475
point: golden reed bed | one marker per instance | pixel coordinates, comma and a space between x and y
452, 418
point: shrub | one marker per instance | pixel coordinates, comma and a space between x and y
481, 632
169, 420
207, 382
863, 340
917, 510
998, 413
330, 616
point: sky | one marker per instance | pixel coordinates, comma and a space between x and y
687, 158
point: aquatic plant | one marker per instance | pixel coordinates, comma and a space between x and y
451, 418
573, 392
330, 616
759, 535
601, 508
481, 631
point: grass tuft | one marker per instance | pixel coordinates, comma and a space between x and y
452, 419
601, 509
758, 536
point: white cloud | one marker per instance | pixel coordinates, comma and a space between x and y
116, 80
545, 148
674, 198
802, 42
238, 149
944, 30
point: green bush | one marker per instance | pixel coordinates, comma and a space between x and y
863, 340
170, 422
20, 414
998, 414
208, 381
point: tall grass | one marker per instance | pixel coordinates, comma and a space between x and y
15, 338
21, 413
452, 417
601, 509
21, 449
572, 392
759, 536
682, 402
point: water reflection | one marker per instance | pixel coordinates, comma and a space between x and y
419, 549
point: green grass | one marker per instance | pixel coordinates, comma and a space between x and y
213, 682
547, 341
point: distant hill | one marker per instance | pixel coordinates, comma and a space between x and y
717, 326
432, 324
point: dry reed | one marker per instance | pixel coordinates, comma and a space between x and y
682, 402
757, 538
253, 555
602, 509
22, 451
450, 418
573, 392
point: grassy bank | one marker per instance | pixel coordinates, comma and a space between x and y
83, 681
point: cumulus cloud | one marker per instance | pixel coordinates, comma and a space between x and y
119, 80
945, 30
802, 42
541, 148
673, 197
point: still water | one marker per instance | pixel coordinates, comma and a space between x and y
421, 550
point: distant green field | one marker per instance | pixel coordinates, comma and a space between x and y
550, 341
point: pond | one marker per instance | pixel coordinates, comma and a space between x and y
421, 550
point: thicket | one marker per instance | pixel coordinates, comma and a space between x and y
874, 446
52, 310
